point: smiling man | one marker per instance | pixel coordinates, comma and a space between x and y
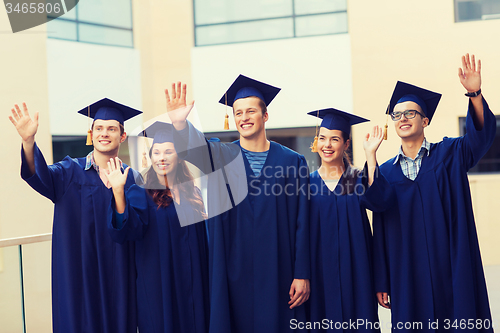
93, 278
259, 247
426, 251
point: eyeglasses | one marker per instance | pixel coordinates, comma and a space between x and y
409, 114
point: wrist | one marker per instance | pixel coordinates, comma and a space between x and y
475, 93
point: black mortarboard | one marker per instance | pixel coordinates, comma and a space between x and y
405, 92
244, 87
334, 119
107, 109
160, 132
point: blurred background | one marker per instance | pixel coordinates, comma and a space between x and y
322, 53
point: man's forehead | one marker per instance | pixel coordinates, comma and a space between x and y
106, 123
409, 105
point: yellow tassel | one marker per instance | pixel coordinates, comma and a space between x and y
314, 145
144, 160
385, 132
226, 122
89, 138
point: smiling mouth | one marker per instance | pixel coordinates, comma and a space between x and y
162, 165
404, 127
327, 152
246, 126
104, 142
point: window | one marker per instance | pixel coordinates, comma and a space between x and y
473, 10
491, 160
233, 21
74, 146
107, 22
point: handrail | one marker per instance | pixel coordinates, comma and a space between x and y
25, 240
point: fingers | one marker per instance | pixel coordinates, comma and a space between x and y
464, 63
19, 113
14, 115
479, 66
179, 89
461, 74
473, 63
167, 96
25, 109
184, 90
36, 118
126, 172
383, 300
173, 91
12, 120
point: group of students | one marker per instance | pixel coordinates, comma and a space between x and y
278, 249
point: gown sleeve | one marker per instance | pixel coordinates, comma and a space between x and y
192, 146
132, 224
380, 263
378, 196
51, 181
475, 143
302, 254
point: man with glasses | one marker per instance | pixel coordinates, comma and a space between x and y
426, 252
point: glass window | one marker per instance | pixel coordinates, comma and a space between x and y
62, 29
491, 160
303, 7
321, 24
95, 21
473, 10
222, 11
116, 13
244, 32
103, 35
232, 21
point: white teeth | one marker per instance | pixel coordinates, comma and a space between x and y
328, 151
246, 125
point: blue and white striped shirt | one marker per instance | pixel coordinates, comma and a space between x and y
411, 167
256, 160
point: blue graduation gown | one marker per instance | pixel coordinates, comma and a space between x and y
172, 265
342, 287
258, 247
93, 278
426, 249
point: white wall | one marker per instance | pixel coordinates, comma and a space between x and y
313, 72
80, 74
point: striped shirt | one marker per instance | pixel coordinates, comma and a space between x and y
255, 159
411, 167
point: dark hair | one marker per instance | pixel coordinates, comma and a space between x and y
346, 157
162, 196
350, 172
122, 129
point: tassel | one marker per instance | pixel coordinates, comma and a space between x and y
144, 160
314, 145
89, 138
385, 132
226, 122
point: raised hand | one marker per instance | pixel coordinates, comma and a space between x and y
373, 140
470, 74
177, 108
25, 125
116, 178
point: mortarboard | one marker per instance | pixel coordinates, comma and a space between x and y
107, 109
244, 87
426, 99
334, 119
160, 132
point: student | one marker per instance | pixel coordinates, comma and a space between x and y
172, 260
93, 278
259, 249
427, 256
342, 289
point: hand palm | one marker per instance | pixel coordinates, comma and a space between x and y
470, 75
177, 108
